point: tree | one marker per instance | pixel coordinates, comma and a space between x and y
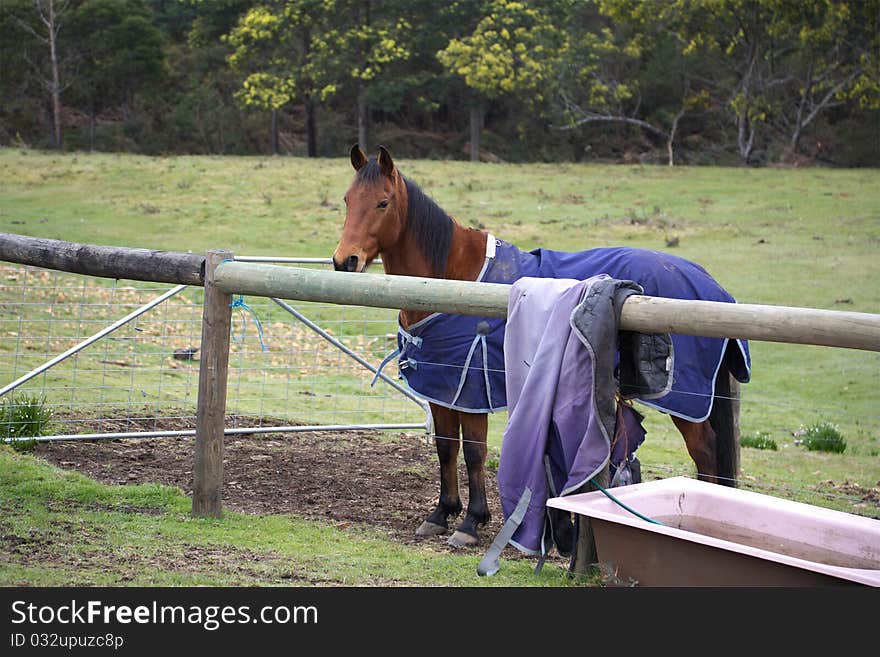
273, 47
416, 90
739, 36
511, 52
311, 49
203, 114
21, 95
366, 38
623, 66
773, 61
120, 51
834, 59
692, 80
174, 18
43, 23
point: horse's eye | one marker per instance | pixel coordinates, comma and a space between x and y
382, 204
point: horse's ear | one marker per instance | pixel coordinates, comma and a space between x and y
386, 164
358, 159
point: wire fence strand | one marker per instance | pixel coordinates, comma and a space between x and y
144, 376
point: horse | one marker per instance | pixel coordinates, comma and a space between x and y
388, 215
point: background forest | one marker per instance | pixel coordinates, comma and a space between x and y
666, 81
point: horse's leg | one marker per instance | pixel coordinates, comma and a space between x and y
714, 443
725, 422
446, 430
700, 440
474, 427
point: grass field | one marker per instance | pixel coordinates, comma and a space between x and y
801, 237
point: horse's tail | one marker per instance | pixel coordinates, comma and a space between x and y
724, 419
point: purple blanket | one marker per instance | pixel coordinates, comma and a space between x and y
563, 414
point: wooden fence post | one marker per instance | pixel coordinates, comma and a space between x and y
211, 413
586, 557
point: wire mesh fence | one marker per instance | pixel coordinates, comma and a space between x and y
143, 376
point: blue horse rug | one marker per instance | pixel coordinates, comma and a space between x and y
457, 361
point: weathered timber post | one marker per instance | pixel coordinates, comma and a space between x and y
586, 557
211, 412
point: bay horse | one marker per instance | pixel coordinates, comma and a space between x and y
388, 215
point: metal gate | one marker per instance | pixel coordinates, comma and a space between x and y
119, 359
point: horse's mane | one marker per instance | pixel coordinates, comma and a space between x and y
428, 222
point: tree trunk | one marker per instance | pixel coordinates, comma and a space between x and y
311, 132
671, 141
796, 136
56, 82
127, 114
363, 120
92, 121
49, 15
476, 131
364, 11
802, 102
274, 136
309, 102
745, 139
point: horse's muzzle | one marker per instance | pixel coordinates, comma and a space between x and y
349, 264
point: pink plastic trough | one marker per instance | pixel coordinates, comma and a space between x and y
719, 536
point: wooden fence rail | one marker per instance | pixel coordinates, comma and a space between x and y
829, 328
105, 261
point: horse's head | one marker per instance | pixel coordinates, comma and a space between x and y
375, 212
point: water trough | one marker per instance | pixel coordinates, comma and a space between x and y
714, 535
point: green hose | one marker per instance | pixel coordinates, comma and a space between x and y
617, 501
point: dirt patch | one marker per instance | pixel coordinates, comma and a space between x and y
344, 478
869, 497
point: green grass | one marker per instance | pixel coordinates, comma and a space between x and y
799, 237
759, 440
824, 437
24, 416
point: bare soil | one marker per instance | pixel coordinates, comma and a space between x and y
350, 477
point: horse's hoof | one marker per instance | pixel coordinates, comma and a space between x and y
460, 539
431, 529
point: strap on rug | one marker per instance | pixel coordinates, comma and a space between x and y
489, 564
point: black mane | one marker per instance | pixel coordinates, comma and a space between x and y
428, 222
